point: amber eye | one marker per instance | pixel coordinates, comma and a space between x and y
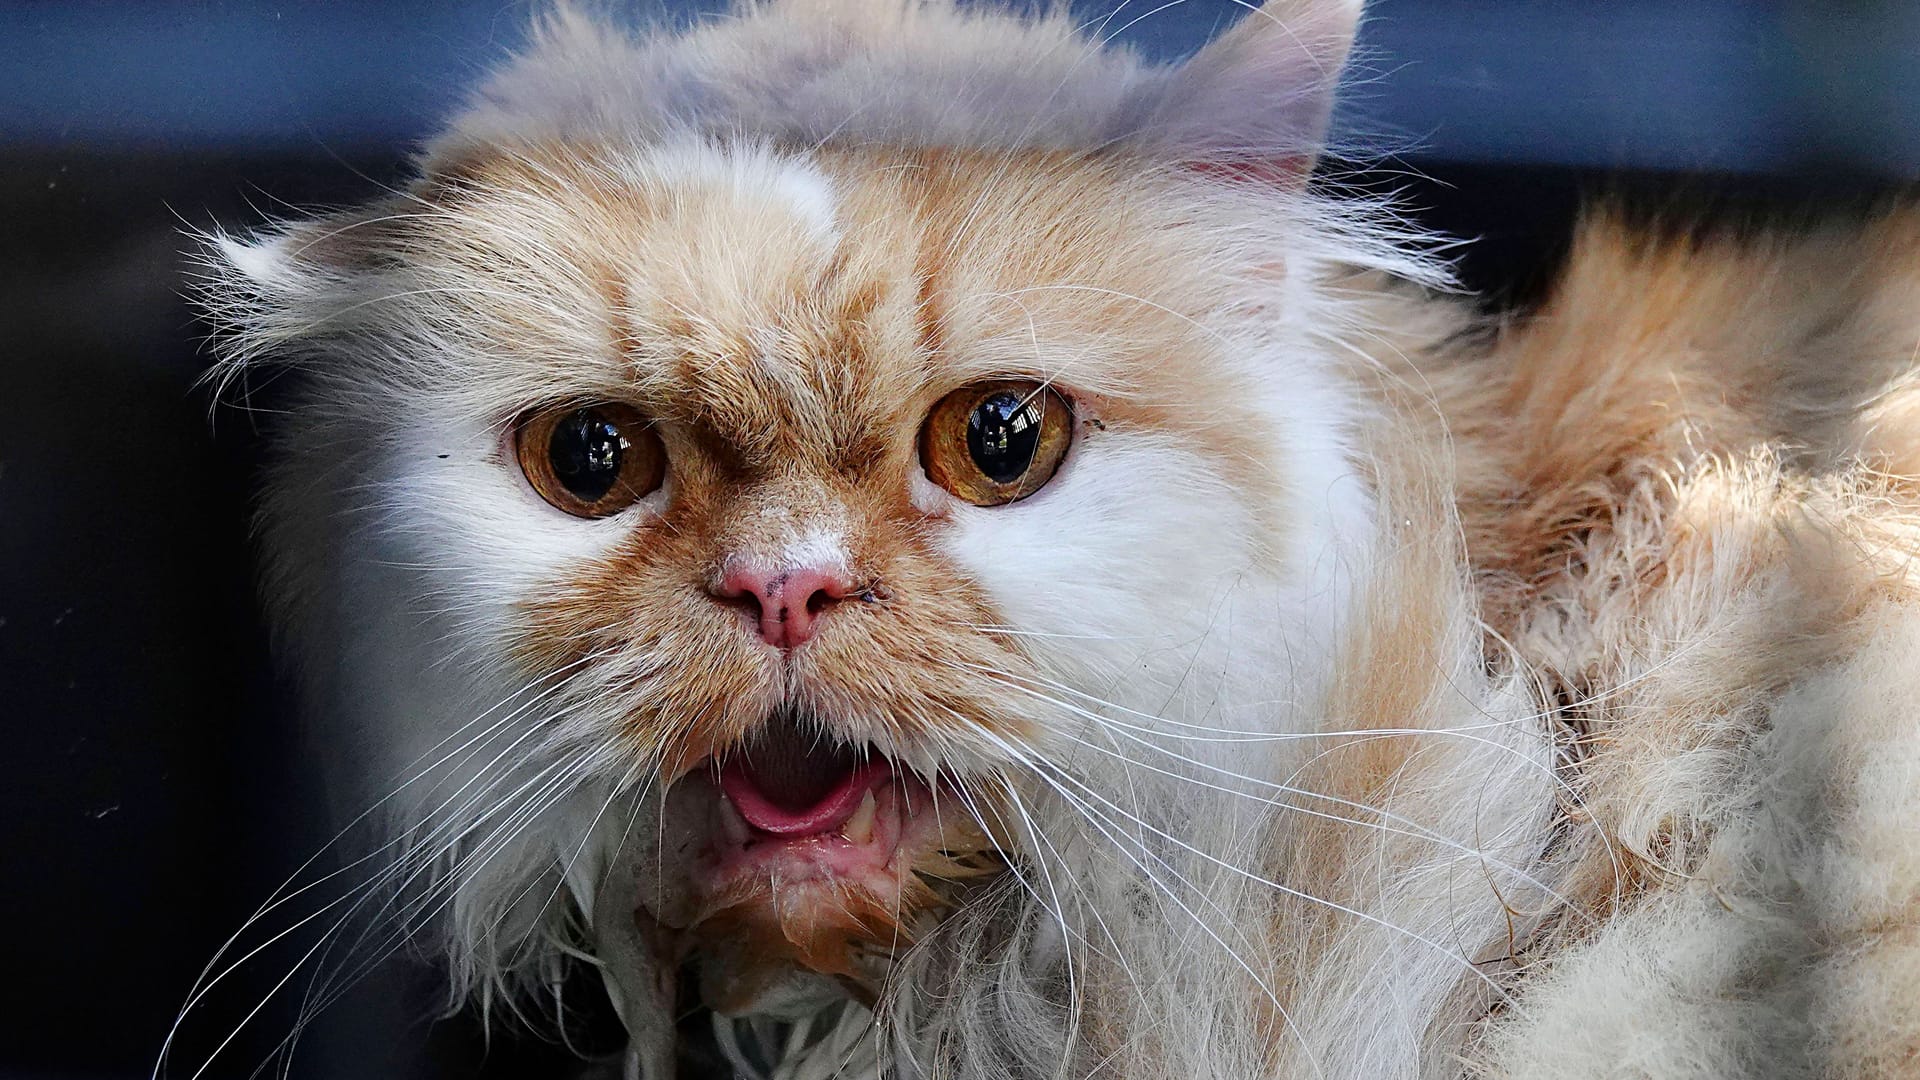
590, 460
993, 443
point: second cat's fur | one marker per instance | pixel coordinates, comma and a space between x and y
1373, 691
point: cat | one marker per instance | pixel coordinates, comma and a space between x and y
937, 544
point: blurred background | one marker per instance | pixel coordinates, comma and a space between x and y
152, 788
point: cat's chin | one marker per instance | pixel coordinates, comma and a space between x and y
806, 857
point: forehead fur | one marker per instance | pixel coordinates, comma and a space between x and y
763, 296
1049, 162
919, 73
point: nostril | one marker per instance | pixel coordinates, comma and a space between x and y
742, 592
783, 605
743, 601
824, 590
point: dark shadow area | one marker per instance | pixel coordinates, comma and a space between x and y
156, 788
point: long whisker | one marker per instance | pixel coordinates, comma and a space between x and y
555, 789
1100, 823
1050, 772
275, 989
551, 790
1402, 825
207, 980
586, 837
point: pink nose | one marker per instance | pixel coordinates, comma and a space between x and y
786, 605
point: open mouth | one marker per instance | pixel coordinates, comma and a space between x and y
795, 807
807, 852
787, 787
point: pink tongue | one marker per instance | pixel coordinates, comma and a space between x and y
831, 811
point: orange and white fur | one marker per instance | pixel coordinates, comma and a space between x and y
1373, 691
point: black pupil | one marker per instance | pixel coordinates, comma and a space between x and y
585, 451
1002, 433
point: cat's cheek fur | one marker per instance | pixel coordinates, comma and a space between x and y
469, 523
1139, 584
1091, 558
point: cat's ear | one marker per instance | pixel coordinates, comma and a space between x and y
258, 265
1257, 100
243, 286
266, 293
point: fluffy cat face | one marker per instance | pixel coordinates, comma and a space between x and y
787, 326
659, 446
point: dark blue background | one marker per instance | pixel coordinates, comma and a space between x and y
1671, 84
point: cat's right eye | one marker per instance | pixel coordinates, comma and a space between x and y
591, 461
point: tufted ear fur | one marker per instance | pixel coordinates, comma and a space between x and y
1258, 98
271, 297
1253, 103
246, 288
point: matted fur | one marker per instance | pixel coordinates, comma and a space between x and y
1373, 693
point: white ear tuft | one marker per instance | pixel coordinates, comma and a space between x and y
1263, 91
259, 293
261, 259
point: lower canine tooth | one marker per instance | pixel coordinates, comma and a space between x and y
859, 827
732, 825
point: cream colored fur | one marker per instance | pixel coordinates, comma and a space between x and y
1531, 700
1729, 621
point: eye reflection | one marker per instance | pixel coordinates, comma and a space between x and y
591, 461
585, 451
998, 442
1002, 433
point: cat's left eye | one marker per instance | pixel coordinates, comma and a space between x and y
997, 442
591, 461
